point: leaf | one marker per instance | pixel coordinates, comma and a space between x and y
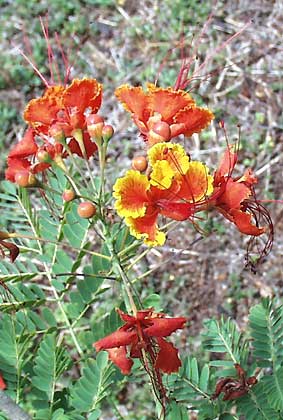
223, 337
177, 411
254, 405
191, 382
50, 362
266, 323
91, 388
273, 386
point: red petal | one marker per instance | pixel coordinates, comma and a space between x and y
90, 146
168, 102
235, 192
83, 94
41, 113
243, 222
119, 357
162, 327
167, 358
195, 119
134, 100
15, 165
116, 339
226, 165
25, 147
177, 211
2, 383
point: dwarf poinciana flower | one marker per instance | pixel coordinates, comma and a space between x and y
163, 113
62, 111
176, 188
231, 194
143, 332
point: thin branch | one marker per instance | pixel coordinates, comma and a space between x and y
11, 410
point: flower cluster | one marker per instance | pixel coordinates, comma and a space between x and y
173, 185
57, 126
142, 336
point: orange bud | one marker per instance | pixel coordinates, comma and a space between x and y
160, 132
68, 195
86, 209
57, 133
25, 179
43, 156
139, 163
95, 124
107, 132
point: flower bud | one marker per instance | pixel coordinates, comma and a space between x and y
86, 209
57, 133
95, 124
160, 132
107, 132
68, 195
25, 179
43, 156
139, 163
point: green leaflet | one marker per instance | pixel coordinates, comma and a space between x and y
50, 362
266, 324
91, 388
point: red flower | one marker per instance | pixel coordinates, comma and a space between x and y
232, 195
143, 333
163, 113
61, 113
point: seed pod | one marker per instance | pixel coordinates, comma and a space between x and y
68, 195
139, 163
86, 209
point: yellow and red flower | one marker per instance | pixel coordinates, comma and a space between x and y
163, 113
178, 192
143, 332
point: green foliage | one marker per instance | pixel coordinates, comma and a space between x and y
91, 388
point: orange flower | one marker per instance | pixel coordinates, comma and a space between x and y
163, 113
143, 332
168, 191
62, 111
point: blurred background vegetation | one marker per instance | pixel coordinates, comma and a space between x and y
129, 42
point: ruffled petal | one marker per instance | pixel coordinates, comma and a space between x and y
196, 184
131, 194
83, 94
134, 100
118, 355
42, 112
162, 175
173, 153
163, 327
118, 338
195, 119
146, 228
167, 358
167, 101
